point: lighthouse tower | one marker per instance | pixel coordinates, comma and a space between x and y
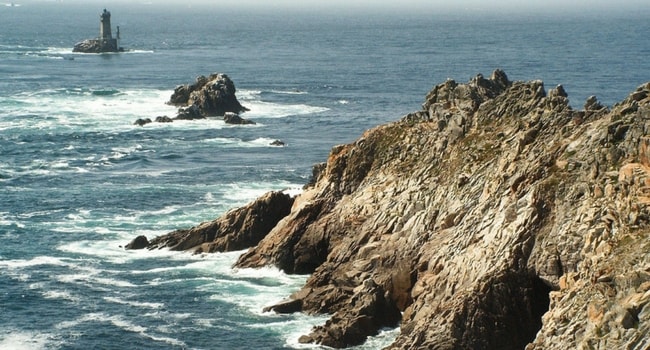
105, 25
105, 42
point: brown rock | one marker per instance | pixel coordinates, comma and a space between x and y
237, 229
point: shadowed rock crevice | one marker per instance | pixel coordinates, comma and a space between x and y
506, 315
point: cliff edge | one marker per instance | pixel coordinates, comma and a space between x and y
497, 217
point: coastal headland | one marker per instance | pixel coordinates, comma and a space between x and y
496, 217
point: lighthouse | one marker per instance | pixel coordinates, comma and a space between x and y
105, 25
105, 42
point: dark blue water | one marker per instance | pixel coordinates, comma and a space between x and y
78, 179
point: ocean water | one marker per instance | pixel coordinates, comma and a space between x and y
78, 180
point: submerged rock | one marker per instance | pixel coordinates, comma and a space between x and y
497, 217
233, 118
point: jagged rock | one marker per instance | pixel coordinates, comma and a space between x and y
285, 307
237, 229
368, 312
497, 217
139, 242
316, 172
142, 121
208, 96
190, 113
278, 143
233, 118
592, 104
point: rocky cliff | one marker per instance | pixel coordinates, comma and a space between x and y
497, 217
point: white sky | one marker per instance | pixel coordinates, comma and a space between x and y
512, 4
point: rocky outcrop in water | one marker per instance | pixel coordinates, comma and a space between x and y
97, 46
497, 217
212, 96
105, 42
207, 97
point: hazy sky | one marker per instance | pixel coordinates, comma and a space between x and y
430, 5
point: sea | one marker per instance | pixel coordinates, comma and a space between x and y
78, 180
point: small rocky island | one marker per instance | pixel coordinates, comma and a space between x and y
105, 42
496, 217
211, 96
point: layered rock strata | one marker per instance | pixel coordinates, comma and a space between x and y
497, 217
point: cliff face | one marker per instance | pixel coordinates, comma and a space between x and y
495, 217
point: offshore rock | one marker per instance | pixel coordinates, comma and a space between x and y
237, 229
207, 97
142, 121
233, 118
164, 119
497, 217
97, 46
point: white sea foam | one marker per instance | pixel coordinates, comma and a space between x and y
116, 320
122, 323
262, 109
262, 142
37, 261
7, 219
126, 325
385, 337
289, 92
60, 294
242, 193
21, 340
245, 95
293, 330
138, 304
97, 110
208, 197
